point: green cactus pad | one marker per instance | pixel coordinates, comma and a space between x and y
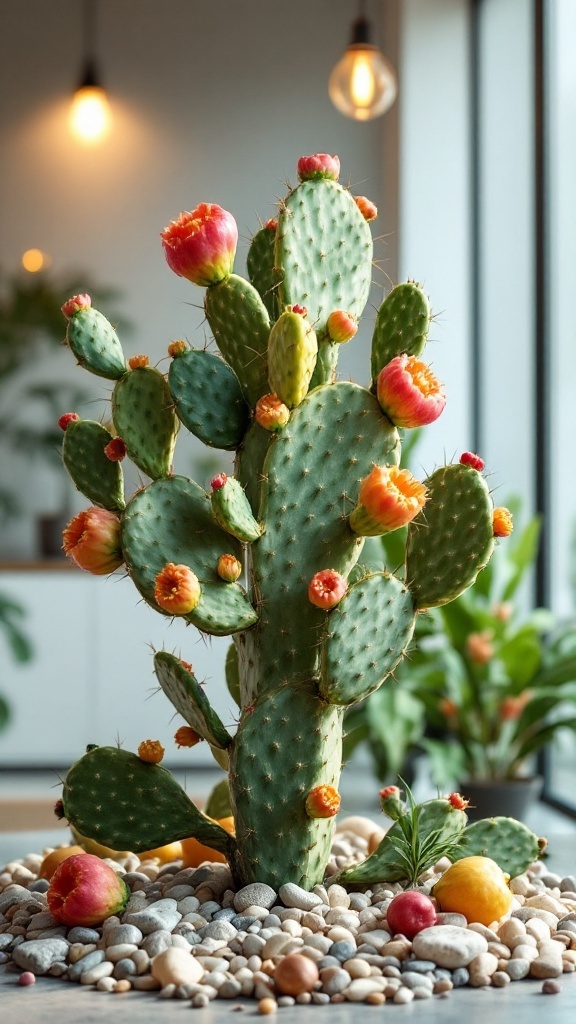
95, 344
112, 796
144, 417
326, 364
184, 691
402, 325
292, 352
218, 802
171, 521
92, 472
208, 398
452, 537
385, 865
261, 269
240, 324
233, 673
324, 247
507, 841
231, 509
289, 742
368, 632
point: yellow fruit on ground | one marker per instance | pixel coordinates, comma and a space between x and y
52, 860
97, 849
476, 887
195, 853
163, 854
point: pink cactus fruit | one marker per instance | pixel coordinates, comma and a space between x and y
367, 208
342, 326
318, 165
84, 890
177, 589
409, 393
201, 245
229, 568
67, 418
326, 589
271, 413
410, 912
92, 541
75, 304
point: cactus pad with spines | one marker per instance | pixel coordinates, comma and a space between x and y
95, 344
144, 417
208, 398
262, 270
186, 694
92, 472
402, 325
231, 509
240, 323
292, 351
507, 841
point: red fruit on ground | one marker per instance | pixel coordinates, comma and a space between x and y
84, 890
410, 912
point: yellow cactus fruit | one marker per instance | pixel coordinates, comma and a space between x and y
476, 887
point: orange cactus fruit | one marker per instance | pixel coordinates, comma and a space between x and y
163, 854
75, 304
319, 165
55, 857
177, 589
475, 887
67, 418
502, 522
135, 362
342, 326
229, 568
389, 498
271, 413
186, 736
177, 348
322, 802
367, 208
200, 245
195, 853
151, 751
115, 450
326, 589
92, 541
409, 392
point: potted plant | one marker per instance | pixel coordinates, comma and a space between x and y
11, 614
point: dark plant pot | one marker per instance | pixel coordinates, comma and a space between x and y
511, 798
50, 529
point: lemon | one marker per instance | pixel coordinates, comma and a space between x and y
475, 887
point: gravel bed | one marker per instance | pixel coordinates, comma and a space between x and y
186, 934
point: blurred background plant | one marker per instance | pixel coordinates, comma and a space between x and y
11, 615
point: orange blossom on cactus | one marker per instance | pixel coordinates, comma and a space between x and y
389, 498
177, 589
326, 589
92, 541
201, 245
409, 393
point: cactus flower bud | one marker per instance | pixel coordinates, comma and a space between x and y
229, 568
502, 522
512, 707
326, 589
135, 362
92, 541
218, 481
391, 802
115, 450
470, 459
342, 326
151, 751
84, 890
367, 208
271, 225
389, 498
448, 707
323, 802
409, 393
75, 304
318, 165
479, 647
271, 413
177, 348
66, 418
201, 245
185, 736
297, 308
177, 589
457, 801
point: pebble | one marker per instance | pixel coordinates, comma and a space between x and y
256, 894
38, 955
293, 895
449, 945
176, 966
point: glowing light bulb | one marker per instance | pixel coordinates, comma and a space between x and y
34, 260
89, 114
363, 83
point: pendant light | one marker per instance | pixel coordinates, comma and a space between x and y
363, 83
89, 113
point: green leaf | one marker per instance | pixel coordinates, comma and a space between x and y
543, 736
396, 722
4, 713
522, 555
521, 657
447, 762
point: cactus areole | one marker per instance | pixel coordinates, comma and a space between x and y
284, 515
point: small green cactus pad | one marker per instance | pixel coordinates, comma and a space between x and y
95, 344
144, 417
231, 509
324, 247
261, 269
112, 796
233, 674
507, 841
368, 632
171, 521
401, 326
452, 537
240, 324
288, 743
184, 691
292, 352
91, 471
208, 398
218, 802
385, 864
326, 364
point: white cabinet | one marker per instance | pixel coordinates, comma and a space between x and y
91, 679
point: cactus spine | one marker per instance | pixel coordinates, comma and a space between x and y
294, 667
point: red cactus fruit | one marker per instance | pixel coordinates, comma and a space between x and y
92, 541
201, 245
470, 459
367, 208
177, 589
323, 802
115, 450
326, 589
67, 418
297, 308
85, 890
75, 304
272, 224
218, 481
318, 165
458, 801
409, 393
342, 326
410, 912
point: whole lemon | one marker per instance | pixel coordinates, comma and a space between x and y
476, 887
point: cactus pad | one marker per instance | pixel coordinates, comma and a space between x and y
144, 417
95, 344
507, 841
240, 324
186, 694
401, 326
92, 472
262, 271
208, 398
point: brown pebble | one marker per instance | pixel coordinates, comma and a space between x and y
375, 998
551, 987
295, 974
267, 1006
122, 985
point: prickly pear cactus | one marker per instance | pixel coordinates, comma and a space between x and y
270, 556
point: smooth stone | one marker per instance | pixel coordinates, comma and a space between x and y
225, 915
517, 969
120, 951
162, 915
568, 883
189, 905
334, 980
76, 970
124, 969
229, 989
95, 974
178, 892
451, 918
460, 977
175, 966
156, 943
378, 938
123, 933
420, 966
219, 929
38, 955
343, 950
256, 894
12, 895
6, 940
359, 988
547, 966
40, 885
293, 895
414, 980
448, 945
83, 935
